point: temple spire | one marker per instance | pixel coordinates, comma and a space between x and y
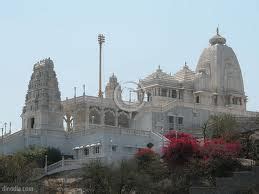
217, 30
185, 65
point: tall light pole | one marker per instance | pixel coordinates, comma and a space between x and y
101, 40
2, 141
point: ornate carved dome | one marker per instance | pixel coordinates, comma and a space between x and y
221, 66
185, 74
158, 74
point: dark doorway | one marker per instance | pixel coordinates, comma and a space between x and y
32, 123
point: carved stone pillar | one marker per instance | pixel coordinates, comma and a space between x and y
231, 99
180, 94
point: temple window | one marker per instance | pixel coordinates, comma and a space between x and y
171, 119
86, 151
123, 120
109, 118
215, 98
94, 117
96, 150
174, 94
197, 99
234, 100
32, 122
171, 122
180, 120
114, 148
149, 98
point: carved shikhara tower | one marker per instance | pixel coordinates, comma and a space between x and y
43, 109
110, 87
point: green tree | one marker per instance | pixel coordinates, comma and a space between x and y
205, 129
34, 154
54, 155
97, 178
16, 169
224, 126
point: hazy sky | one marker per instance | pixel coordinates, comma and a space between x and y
140, 35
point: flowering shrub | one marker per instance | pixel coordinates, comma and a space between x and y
144, 152
145, 157
218, 147
181, 148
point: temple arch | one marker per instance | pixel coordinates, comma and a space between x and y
95, 116
123, 120
109, 117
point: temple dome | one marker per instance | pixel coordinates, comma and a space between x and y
217, 39
219, 63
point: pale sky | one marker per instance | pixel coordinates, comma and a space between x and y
140, 35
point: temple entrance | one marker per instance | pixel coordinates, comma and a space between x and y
68, 122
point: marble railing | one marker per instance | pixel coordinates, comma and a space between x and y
93, 128
169, 105
69, 164
162, 137
54, 166
83, 99
9, 137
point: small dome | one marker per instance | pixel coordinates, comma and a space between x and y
217, 39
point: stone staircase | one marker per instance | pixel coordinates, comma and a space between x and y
64, 165
159, 140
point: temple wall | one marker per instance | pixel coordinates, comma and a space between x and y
127, 142
12, 143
